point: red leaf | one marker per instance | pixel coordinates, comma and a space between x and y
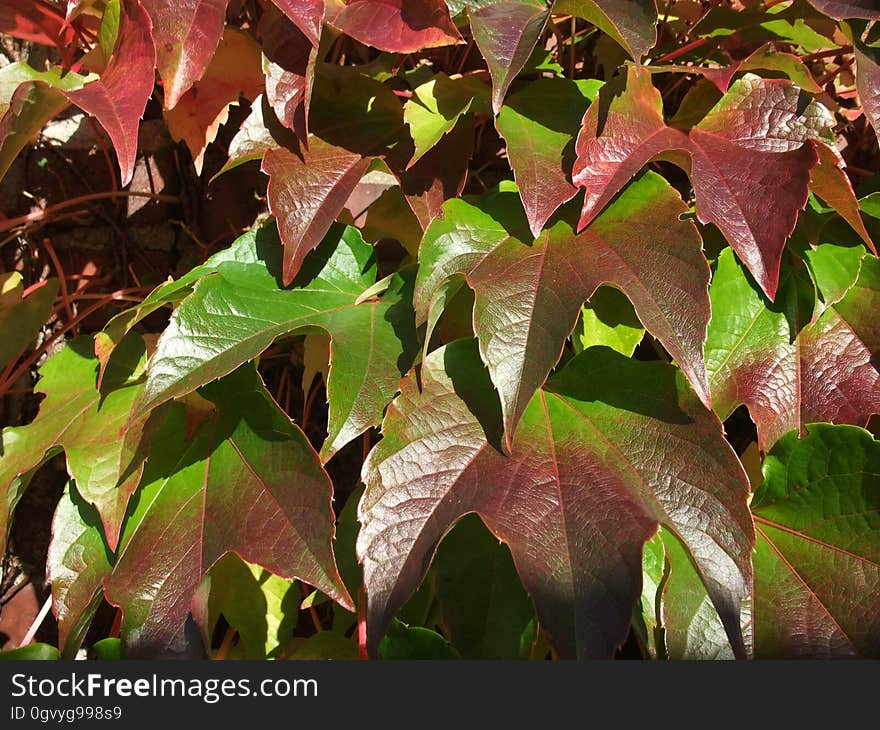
398, 26
289, 67
307, 192
308, 15
868, 82
750, 159
118, 99
187, 33
235, 70
35, 21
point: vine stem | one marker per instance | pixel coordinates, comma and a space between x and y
38, 621
681, 51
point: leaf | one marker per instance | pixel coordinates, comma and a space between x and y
632, 23
759, 353
415, 642
308, 15
289, 66
32, 652
22, 317
529, 292
108, 650
118, 99
868, 80
35, 21
506, 33
28, 99
235, 70
486, 612
834, 270
751, 186
398, 26
246, 482
236, 312
78, 561
842, 9
307, 193
325, 645
437, 105
817, 559
262, 607
612, 448
187, 33
610, 320
88, 424
829, 181
539, 125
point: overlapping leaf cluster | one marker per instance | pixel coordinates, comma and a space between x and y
555, 349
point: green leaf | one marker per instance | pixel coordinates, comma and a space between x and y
610, 320
415, 642
262, 607
22, 317
486, 612
608, 450
245, 481
78, 561
32, 652
817, 559
108, 650
785, 370
632, 23
238, 309
102, 457
325, 645
437, 105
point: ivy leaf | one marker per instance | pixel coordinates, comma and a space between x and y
632, 23
262, 607
751, 185
868, 80
437, 105
22, 317
35, 21
235, 70
118, 99
308, 15
759, 353
506, 33
612, 448
306, 193
610, 320
486, 612
398, 26
817, 559
843, 9
237, 309
78, 561
539, 125
405, 642
289, 66
28, 99
187, 33
528, 293
87, 423
246, 482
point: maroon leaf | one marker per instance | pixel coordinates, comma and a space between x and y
118, 99
842, 9
398, 26
750, 156
289, 66
608, 450
506, 33
234, 71
308, 15
306, 193
868, 82
829, 181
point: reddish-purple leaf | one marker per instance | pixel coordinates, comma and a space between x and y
766, 58
529, 293
788, 375
289, 65
308, 15
610, 449
868, 82
306, 193
187, 33
751, 159
118, 99
244, 480
35, 21
843, 9
506, 33
234, 71
829, 181
398, 26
